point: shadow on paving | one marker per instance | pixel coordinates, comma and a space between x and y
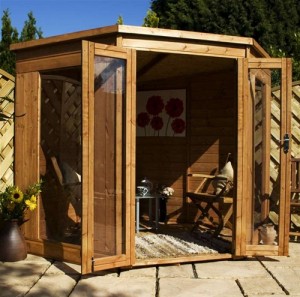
89, 291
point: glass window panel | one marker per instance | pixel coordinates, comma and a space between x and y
61, 151
266, 102
109, 206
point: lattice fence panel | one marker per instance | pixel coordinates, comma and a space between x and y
61, 119
275, 128
7, 87
295, 102
295, 145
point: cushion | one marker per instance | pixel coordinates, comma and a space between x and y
70, 176
226, 173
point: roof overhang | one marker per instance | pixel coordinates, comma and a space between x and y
144, 32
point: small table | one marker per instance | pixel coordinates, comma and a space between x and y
138, 198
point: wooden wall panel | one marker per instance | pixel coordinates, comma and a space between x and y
212, 130
27, 133
163, 161
212, 114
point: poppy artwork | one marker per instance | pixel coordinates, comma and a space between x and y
161, 113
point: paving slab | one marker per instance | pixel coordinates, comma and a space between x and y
267, 295
60, 285
13, 291
274, 261
99, 286
64, 268
231, 269
139, 272
280, 261
17, 278
28, 272
259, 286
294, 249
288, 277
184, 270
37, 259
184, 287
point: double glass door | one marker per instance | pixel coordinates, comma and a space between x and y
104, 158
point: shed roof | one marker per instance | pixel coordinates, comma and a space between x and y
138, 32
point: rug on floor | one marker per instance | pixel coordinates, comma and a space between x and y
150, 245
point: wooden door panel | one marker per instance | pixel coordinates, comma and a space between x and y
264, 122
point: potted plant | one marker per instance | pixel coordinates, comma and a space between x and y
165, 192
14, 204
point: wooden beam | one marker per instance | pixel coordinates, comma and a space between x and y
156, 60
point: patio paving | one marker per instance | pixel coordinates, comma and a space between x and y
254, 277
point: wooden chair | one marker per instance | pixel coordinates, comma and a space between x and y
205, 201
70, 182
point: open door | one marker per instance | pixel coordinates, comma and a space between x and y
264, 129
108, 156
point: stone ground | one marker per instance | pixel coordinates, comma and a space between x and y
254, 277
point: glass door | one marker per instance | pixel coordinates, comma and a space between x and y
263, 157
107, 157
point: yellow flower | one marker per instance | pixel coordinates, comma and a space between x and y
31, 203
16, 195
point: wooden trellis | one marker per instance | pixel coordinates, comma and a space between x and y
275, 127
61, 119
7, 88
296, 120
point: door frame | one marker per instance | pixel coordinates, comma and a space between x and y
244, 156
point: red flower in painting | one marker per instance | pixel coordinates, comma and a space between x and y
178, 125
143, 119
155, 105
174, 107
157, 123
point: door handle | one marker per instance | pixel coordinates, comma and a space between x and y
286, 143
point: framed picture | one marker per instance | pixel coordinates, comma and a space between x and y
161, 113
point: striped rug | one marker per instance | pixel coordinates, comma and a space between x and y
150, 245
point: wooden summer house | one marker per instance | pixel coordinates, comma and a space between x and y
105, 108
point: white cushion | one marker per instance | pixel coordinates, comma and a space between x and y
225, 172
70, 176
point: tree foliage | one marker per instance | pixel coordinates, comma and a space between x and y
151, 19
30, 31
10, 35
120, 20
275, 24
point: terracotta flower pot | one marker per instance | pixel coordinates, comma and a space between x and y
268, 234
12, 242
